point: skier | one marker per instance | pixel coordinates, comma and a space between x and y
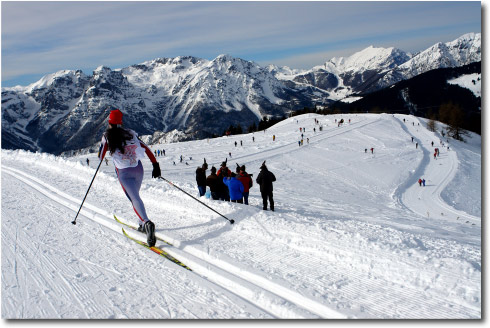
88, 162
201, 178
423, 182
214, 185
265, 180
247, 182
126, 151
416, 145
235, 188
420, 182
372, 150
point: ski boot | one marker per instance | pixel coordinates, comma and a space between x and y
150, 233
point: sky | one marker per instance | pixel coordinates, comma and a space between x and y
42, 37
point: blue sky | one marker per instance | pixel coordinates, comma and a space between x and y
40, 38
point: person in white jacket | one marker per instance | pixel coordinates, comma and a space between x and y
127, 150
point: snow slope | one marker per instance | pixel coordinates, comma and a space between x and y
353, 235
469, 81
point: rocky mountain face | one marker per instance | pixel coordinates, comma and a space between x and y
68, 110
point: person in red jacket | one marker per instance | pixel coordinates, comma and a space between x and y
127, 150
247, 182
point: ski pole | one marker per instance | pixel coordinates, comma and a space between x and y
231, 221
75, 221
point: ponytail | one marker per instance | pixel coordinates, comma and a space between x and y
116, 138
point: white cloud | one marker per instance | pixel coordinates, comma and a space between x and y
46, 36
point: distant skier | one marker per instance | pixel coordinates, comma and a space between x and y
423, 182
127, 151
265, 180
88, 162
420, 182
416, 145
372, 150
201, 178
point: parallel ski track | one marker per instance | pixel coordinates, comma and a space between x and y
275, 299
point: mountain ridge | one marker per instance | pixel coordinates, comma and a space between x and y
67, 110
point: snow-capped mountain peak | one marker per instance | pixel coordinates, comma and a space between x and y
202, 97
368, 59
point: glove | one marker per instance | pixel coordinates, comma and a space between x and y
156, 170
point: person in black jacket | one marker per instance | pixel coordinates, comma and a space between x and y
224, 172
265, 179
201, 178
214, 185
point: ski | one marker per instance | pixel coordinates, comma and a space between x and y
136, 229
157, 250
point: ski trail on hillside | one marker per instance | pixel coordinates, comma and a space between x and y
278, 300
289, 147
427, 201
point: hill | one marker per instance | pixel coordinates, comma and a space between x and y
353, 234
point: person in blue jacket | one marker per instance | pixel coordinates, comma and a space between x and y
235, 187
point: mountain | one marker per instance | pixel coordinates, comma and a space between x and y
373, 68
423, 95
200, 98
460, 52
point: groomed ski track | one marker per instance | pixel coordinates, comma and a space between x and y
250, 286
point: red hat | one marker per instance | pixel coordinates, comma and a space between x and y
115, 117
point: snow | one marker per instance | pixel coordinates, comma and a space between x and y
469, 81
353, 236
